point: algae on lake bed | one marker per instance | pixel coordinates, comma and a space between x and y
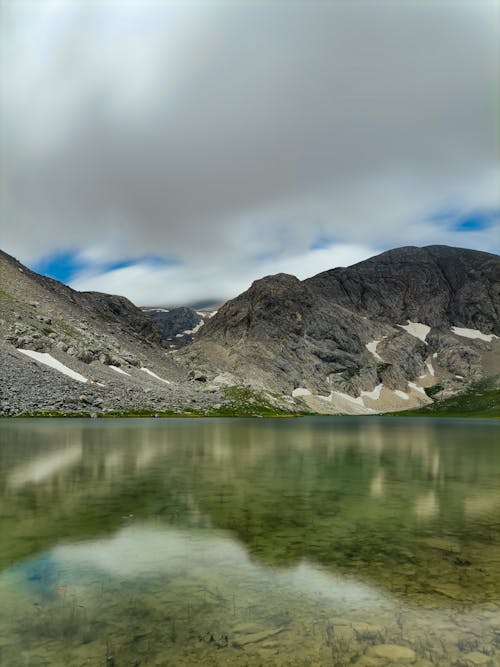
222, 542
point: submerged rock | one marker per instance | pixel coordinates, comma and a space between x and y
393, 653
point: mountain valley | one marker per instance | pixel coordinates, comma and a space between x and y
398, 331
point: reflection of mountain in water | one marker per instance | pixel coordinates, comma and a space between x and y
410, 509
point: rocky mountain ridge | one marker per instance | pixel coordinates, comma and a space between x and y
385, 334
50, 334
368, 338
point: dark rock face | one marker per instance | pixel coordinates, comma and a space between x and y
175, 325
283, 333
119, 308
437, 285
274, 307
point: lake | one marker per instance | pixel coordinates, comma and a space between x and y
314, 541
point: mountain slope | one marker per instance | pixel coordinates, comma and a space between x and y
371, 337
111, 353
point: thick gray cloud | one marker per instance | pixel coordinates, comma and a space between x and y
221, 133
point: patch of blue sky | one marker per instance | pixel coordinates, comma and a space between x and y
64, 265
467, 221
476, 221
61, 265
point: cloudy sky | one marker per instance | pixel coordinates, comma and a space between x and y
175, 151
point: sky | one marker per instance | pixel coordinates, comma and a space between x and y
175, 151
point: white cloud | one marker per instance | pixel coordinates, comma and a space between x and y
145, 284
217, 132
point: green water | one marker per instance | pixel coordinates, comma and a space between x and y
315, 541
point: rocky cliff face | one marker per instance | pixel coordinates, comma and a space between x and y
371, 337
437, 285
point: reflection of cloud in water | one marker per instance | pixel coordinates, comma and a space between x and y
143, 550
44, 467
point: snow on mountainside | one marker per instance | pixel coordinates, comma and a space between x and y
368, 338
382, 335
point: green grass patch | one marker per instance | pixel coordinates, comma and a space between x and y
67, 329
481, 399
432, 391
243, 402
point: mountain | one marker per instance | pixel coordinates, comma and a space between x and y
381, 335
178, 326
63, 350
394, 332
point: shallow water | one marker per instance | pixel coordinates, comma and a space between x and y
316, 541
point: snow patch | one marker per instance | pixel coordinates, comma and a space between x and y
430, 367
146, 370
416, 329
191, 332
473, 333
358, 402
119, 370
417, 388
372, 347
48, 360
300, 391
374, 394
401, 394
346, 397
434, 356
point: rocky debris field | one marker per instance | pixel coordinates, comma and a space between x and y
105, 339
29, 386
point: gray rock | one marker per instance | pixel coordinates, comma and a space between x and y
284, 333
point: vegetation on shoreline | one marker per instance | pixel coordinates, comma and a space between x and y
480, 399
237, 402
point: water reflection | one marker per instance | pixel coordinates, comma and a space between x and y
249, 542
